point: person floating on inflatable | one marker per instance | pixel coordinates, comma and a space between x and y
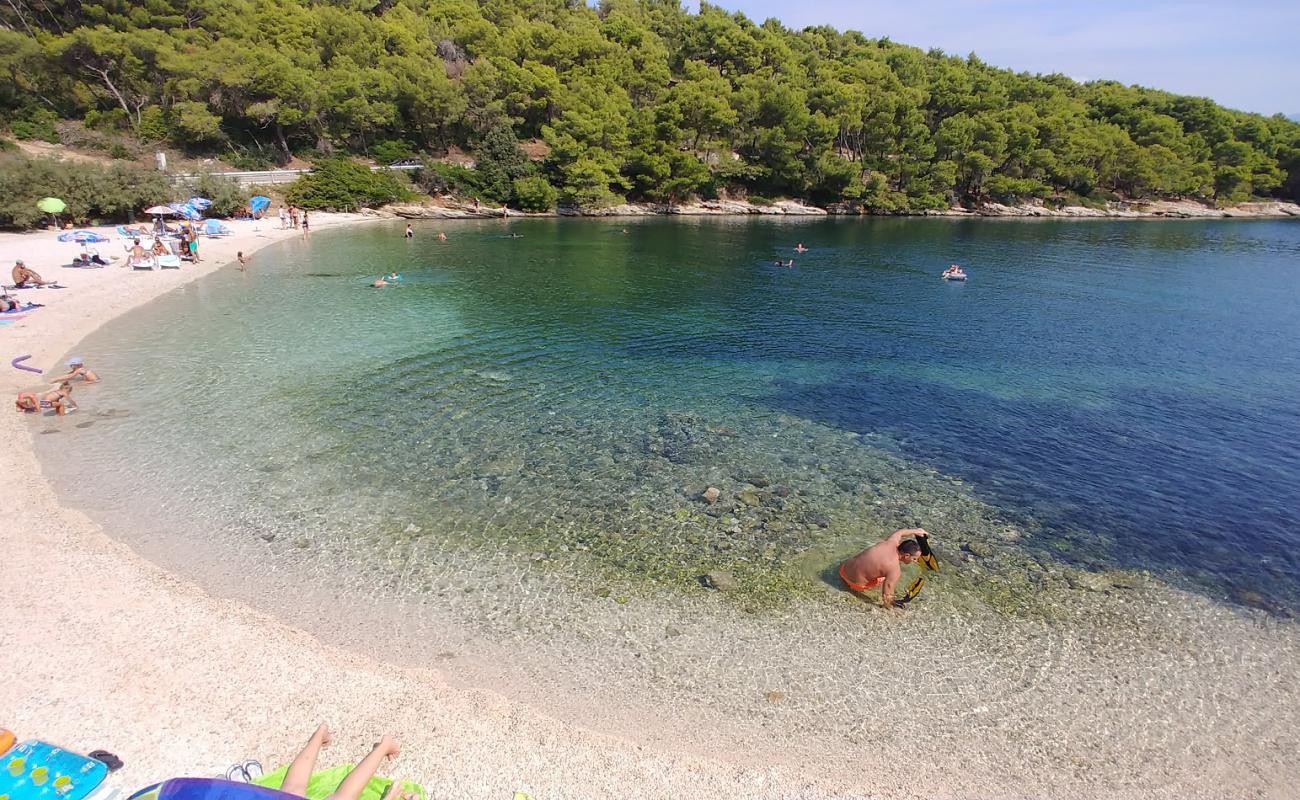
880, 565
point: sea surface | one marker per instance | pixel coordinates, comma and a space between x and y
532, 412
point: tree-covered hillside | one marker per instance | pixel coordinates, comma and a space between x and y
635, 98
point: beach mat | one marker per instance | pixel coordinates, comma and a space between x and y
36, 770
323, 783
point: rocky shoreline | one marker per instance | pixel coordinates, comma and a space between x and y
446, 208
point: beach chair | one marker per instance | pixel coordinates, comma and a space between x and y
146, 261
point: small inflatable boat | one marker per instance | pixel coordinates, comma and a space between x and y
954, 276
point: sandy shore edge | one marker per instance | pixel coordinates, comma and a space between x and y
106, 650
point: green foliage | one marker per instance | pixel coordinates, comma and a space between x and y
91, 191
225, 193
535, 193
192, 125
338, 184
389, 150
438, 177
38, 125
152, 126
643, 99
499, 161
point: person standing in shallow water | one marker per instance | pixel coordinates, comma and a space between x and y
410, 233
880, 565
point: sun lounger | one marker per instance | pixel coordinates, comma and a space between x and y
169, 261
142, 262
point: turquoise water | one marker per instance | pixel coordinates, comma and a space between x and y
498, 464
1123, 391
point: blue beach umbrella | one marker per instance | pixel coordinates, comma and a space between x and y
201, 203
82, 237
188, 211
258, 203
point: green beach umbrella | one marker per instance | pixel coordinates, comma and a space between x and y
51, 205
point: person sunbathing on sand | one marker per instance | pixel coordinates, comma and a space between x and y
78, 370
304, 764
23, 276
881, 564
8, 303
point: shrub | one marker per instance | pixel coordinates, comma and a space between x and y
390, 150
535, 193
91, 191
437, 176
339, 184
225, 193
38, 125
241, 158
153, 125
114, 119
1002, 187
118, 150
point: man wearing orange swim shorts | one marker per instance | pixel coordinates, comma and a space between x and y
881, 563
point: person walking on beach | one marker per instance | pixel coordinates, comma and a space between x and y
293, 217
194, 247
304, 764
242, 259
881, 563
284, 218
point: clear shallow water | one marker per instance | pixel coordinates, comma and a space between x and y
1125, 391
498, 464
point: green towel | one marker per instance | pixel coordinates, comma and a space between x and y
323, 783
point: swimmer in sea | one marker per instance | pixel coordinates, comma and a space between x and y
78, 370
379, 282
410, 233
393, 276
799, 248
442, 237
881, 563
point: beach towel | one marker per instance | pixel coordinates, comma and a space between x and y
208, 789
323, 783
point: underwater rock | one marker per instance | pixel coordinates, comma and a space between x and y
748, 497
711, 494
775, 696
815, 518
719, 580
781, 491
756, 480
978, 549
